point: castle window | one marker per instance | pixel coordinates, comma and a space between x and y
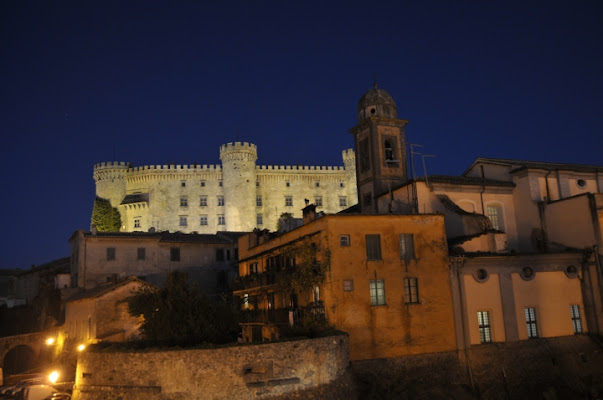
576, 320
220, 183
344, 240
182, 183
259, 219
141, 253
377, 289
373, 247
341, 184
221, 219
407, 246
203, 220
257, 183
411, 291
137, 222
183, 201
530, 313
175, 254
110, 253
343, 201
289, 201
203, 201
318, 201
202, 183
494, 212
483, 322
221, 200
258, 201
287, 183
183, 221
348, 285
317, 184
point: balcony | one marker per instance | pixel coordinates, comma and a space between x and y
281, 315
254, 281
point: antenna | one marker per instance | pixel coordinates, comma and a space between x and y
414, 175
374, 80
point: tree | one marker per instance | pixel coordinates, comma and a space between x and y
104, 216
180, 314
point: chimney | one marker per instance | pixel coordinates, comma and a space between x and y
309, 213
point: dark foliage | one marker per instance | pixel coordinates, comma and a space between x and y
105, 217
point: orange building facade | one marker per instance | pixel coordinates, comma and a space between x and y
387, 282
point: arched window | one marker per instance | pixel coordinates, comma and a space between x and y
495, 213
389, 152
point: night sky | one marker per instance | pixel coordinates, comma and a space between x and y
157, 82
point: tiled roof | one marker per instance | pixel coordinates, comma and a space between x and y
173, 237
520, 164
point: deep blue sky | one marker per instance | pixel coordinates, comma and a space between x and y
170, 81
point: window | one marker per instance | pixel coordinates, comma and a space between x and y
318, 201
287, 184
341, 184
483, 322
411, 291
316, 294
348, 285
220, 183
407, 246
174, 254
221, 220
373, 247
203, 201
257, 183
182, 183
221, 201
530, 313
344, 240
317, 184
343, 201
137, 222
258, 201
203, 220
141, 253
259, 219
110, 253
202, 183
183, 201
183, 220
253, 268
377, 287
494, 212
288, 201
576, 321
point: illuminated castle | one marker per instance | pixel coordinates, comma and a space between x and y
237, 195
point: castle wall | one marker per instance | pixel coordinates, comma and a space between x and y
186, 198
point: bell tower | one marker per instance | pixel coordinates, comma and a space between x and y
380, 144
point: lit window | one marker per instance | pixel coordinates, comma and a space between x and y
348, 285
221, 220
259, 219
377, 288
494, 212
141, 253
316, 293
288, 201
221, 201
343, 201
110, 253
483, 322
183, 201
407, 246
183, 220
203, 220
203, 201
258, 201
411, 291
530, 313
174, 254
576, 320
344, 240
373, 247
136, 222
318, 201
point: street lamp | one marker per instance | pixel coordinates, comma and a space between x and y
53, 377
50, 341
81, 347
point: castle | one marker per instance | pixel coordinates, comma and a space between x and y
237, 195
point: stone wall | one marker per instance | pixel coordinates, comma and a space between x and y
241, 372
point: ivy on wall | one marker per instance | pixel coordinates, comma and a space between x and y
104, 216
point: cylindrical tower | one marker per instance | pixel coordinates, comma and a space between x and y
110, 182
238, 177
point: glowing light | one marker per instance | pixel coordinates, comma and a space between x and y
50, 341
53, 377
81, 347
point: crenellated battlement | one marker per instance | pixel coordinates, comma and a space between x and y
238, 146
112, 165
348, 153
307, 168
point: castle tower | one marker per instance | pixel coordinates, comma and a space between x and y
380, 143
238, 177
349, 162
110, 182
